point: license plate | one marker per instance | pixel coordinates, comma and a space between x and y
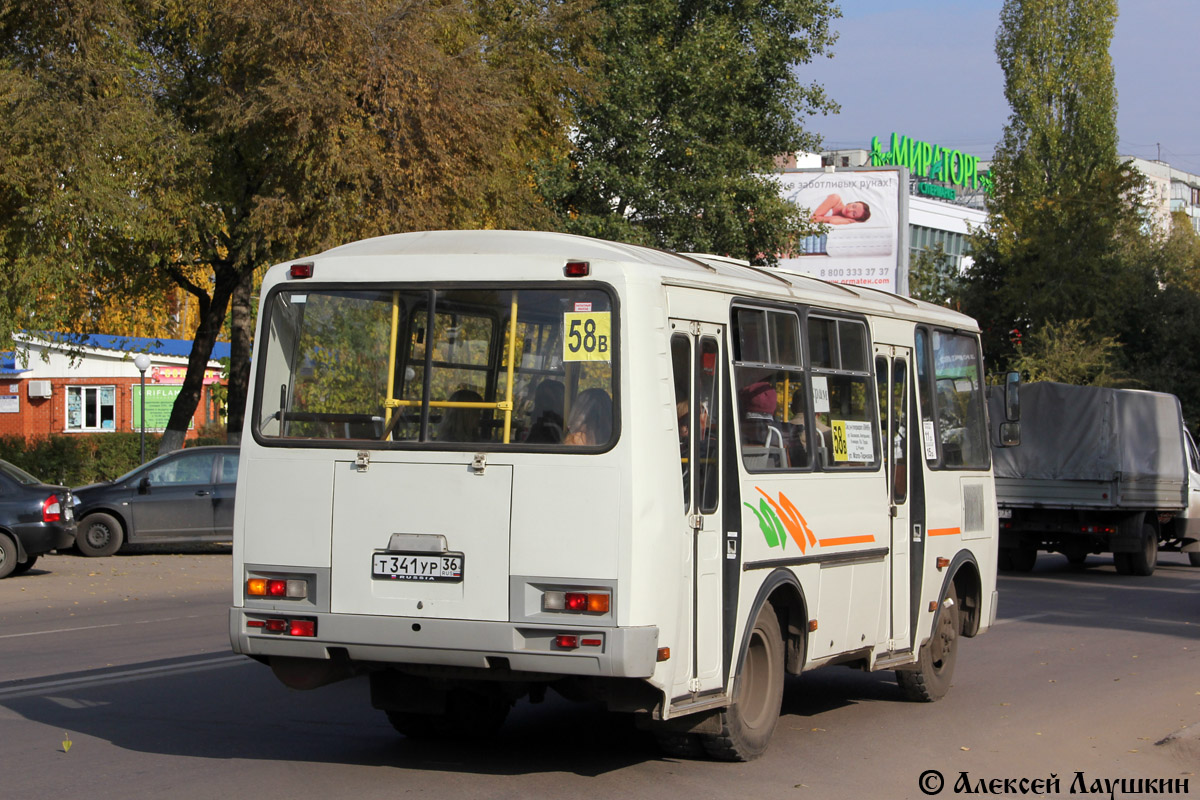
417, 567
1004, 513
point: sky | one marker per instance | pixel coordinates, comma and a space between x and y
927, 69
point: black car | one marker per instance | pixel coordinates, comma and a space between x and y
184, 496
35, 518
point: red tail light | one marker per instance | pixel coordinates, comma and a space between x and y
51, 509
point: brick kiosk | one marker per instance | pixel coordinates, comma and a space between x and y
54, 385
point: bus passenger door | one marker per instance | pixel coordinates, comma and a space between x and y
698, 365
892, 371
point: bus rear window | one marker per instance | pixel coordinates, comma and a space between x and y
437, 367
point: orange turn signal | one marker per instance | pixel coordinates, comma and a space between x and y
257, 587
664, 653
597, 603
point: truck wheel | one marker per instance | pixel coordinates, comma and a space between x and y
1004, 559
747, 725
930, 680
1022, 559
8, 556
468, 715
1194, 559
99, 535
1145, 559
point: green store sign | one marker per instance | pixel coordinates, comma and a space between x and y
932, 162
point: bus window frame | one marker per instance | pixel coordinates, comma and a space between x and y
926, 384
803, 312
311, 287
870, 374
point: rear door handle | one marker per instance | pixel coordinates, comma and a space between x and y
203, 493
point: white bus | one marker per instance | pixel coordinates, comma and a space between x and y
478, 465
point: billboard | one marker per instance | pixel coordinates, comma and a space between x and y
159, 402
865, 212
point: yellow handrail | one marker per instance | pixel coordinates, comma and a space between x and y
392, 347
512, 361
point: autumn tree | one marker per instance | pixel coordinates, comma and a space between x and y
234, 134
695, 101
1064, 204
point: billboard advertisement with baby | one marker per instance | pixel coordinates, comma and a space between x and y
865, 219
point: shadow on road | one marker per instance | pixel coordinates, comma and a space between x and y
1095, 596
239, 711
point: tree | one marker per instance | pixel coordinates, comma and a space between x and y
1064, 205
695, 100
1069, 353
262, 130
933, 276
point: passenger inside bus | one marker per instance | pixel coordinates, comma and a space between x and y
762, 439
461, 424
795, 431
547, 416
590, 421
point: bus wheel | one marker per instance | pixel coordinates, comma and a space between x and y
1194, 559
680, 745
1145, 559
930, 679
468, 715
747, 725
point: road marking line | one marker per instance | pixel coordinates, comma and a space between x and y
124, 676
1023, 619
95, 627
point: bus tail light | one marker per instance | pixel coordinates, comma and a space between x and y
302, 626
577, 602
577, 269
285, 588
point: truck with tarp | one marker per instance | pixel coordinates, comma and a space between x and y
1096, 470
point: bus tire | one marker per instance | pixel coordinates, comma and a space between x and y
99, 535
1194, 559
1145, 560
747, 724
468, 715
678, 744
930, 679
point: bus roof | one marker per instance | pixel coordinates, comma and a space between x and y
702, 271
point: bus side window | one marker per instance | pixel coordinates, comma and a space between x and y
681, 373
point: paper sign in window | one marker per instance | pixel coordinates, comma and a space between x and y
852, 441
587, 336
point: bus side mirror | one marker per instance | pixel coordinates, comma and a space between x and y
1010, 430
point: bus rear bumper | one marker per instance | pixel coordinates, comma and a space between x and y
365, 640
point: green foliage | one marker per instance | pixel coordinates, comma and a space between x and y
165, 141
1064, 207
80, 460
933, 276
693, 102
1070, 353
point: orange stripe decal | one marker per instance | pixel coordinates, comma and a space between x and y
945, 531
847, 540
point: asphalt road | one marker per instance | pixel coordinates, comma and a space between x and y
127, 660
